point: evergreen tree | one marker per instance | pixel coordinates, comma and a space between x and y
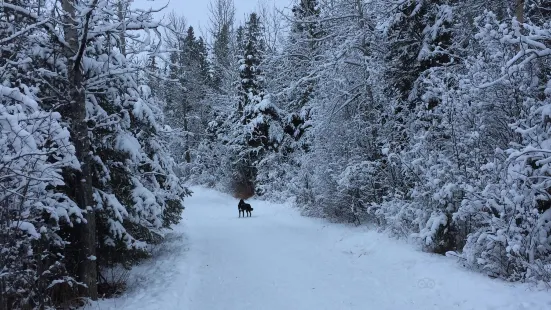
252, 83
222, 57
189, 72
107, 187
253, 126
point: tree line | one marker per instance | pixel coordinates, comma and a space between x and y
428, 119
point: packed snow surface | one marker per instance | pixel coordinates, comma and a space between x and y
278, 259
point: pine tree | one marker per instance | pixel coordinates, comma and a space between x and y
305, 23
300, 53
190, 75
251, 86
253, 127
222, 57
221, 28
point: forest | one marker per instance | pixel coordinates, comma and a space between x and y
429, 120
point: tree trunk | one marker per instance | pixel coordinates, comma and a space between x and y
121, 12
82, 182
187, 155
3, 300
519, 11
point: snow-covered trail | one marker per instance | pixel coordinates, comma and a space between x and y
279, 260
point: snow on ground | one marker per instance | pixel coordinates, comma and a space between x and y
279, 260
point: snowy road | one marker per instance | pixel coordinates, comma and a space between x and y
280, 260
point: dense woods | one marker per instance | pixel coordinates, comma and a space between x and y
426, 118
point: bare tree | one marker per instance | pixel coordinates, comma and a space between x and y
221, 13
274, 24
519, 11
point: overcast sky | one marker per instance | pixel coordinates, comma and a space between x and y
196, 11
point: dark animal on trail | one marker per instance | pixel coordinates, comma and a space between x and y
244, 207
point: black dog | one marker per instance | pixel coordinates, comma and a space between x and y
244, 207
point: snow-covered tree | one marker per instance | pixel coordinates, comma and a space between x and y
103, 186
189, 75
35, 150
251, 128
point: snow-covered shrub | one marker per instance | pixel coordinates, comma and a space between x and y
35, 150
358, 188
511, 235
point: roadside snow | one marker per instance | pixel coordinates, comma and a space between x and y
280, 260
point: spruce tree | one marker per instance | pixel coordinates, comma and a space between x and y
254, 126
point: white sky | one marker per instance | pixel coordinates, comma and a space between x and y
197, 13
